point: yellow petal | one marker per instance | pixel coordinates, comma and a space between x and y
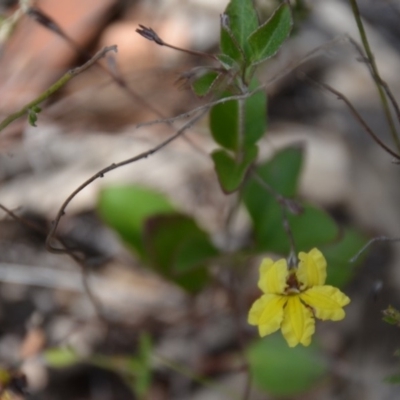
312, 269
267, 313
298, 323
326, 301
273, 276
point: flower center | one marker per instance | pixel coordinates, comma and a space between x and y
293, 286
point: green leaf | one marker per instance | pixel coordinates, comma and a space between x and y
230, 172
203, 85
283, 371
32, 117
281, 173
224, 124
311, 228
393, 379
268, 38
229, 45
60, 357
193, 251
227, 62
224, 120
126, 208
391, 316
179, 250
338, 255
242, 22
255, 116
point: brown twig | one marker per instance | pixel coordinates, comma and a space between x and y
150, 34
377, 78
375, 72
355, 113
102, 172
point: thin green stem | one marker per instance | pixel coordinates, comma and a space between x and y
45, 95
55, 87
376, 76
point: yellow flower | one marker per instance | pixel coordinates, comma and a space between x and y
294, 297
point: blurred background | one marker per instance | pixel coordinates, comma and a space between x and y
144, 337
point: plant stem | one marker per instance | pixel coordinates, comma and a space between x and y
377, 78
55, 87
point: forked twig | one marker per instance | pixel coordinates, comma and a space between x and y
378, 79
355, 113
375, 73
